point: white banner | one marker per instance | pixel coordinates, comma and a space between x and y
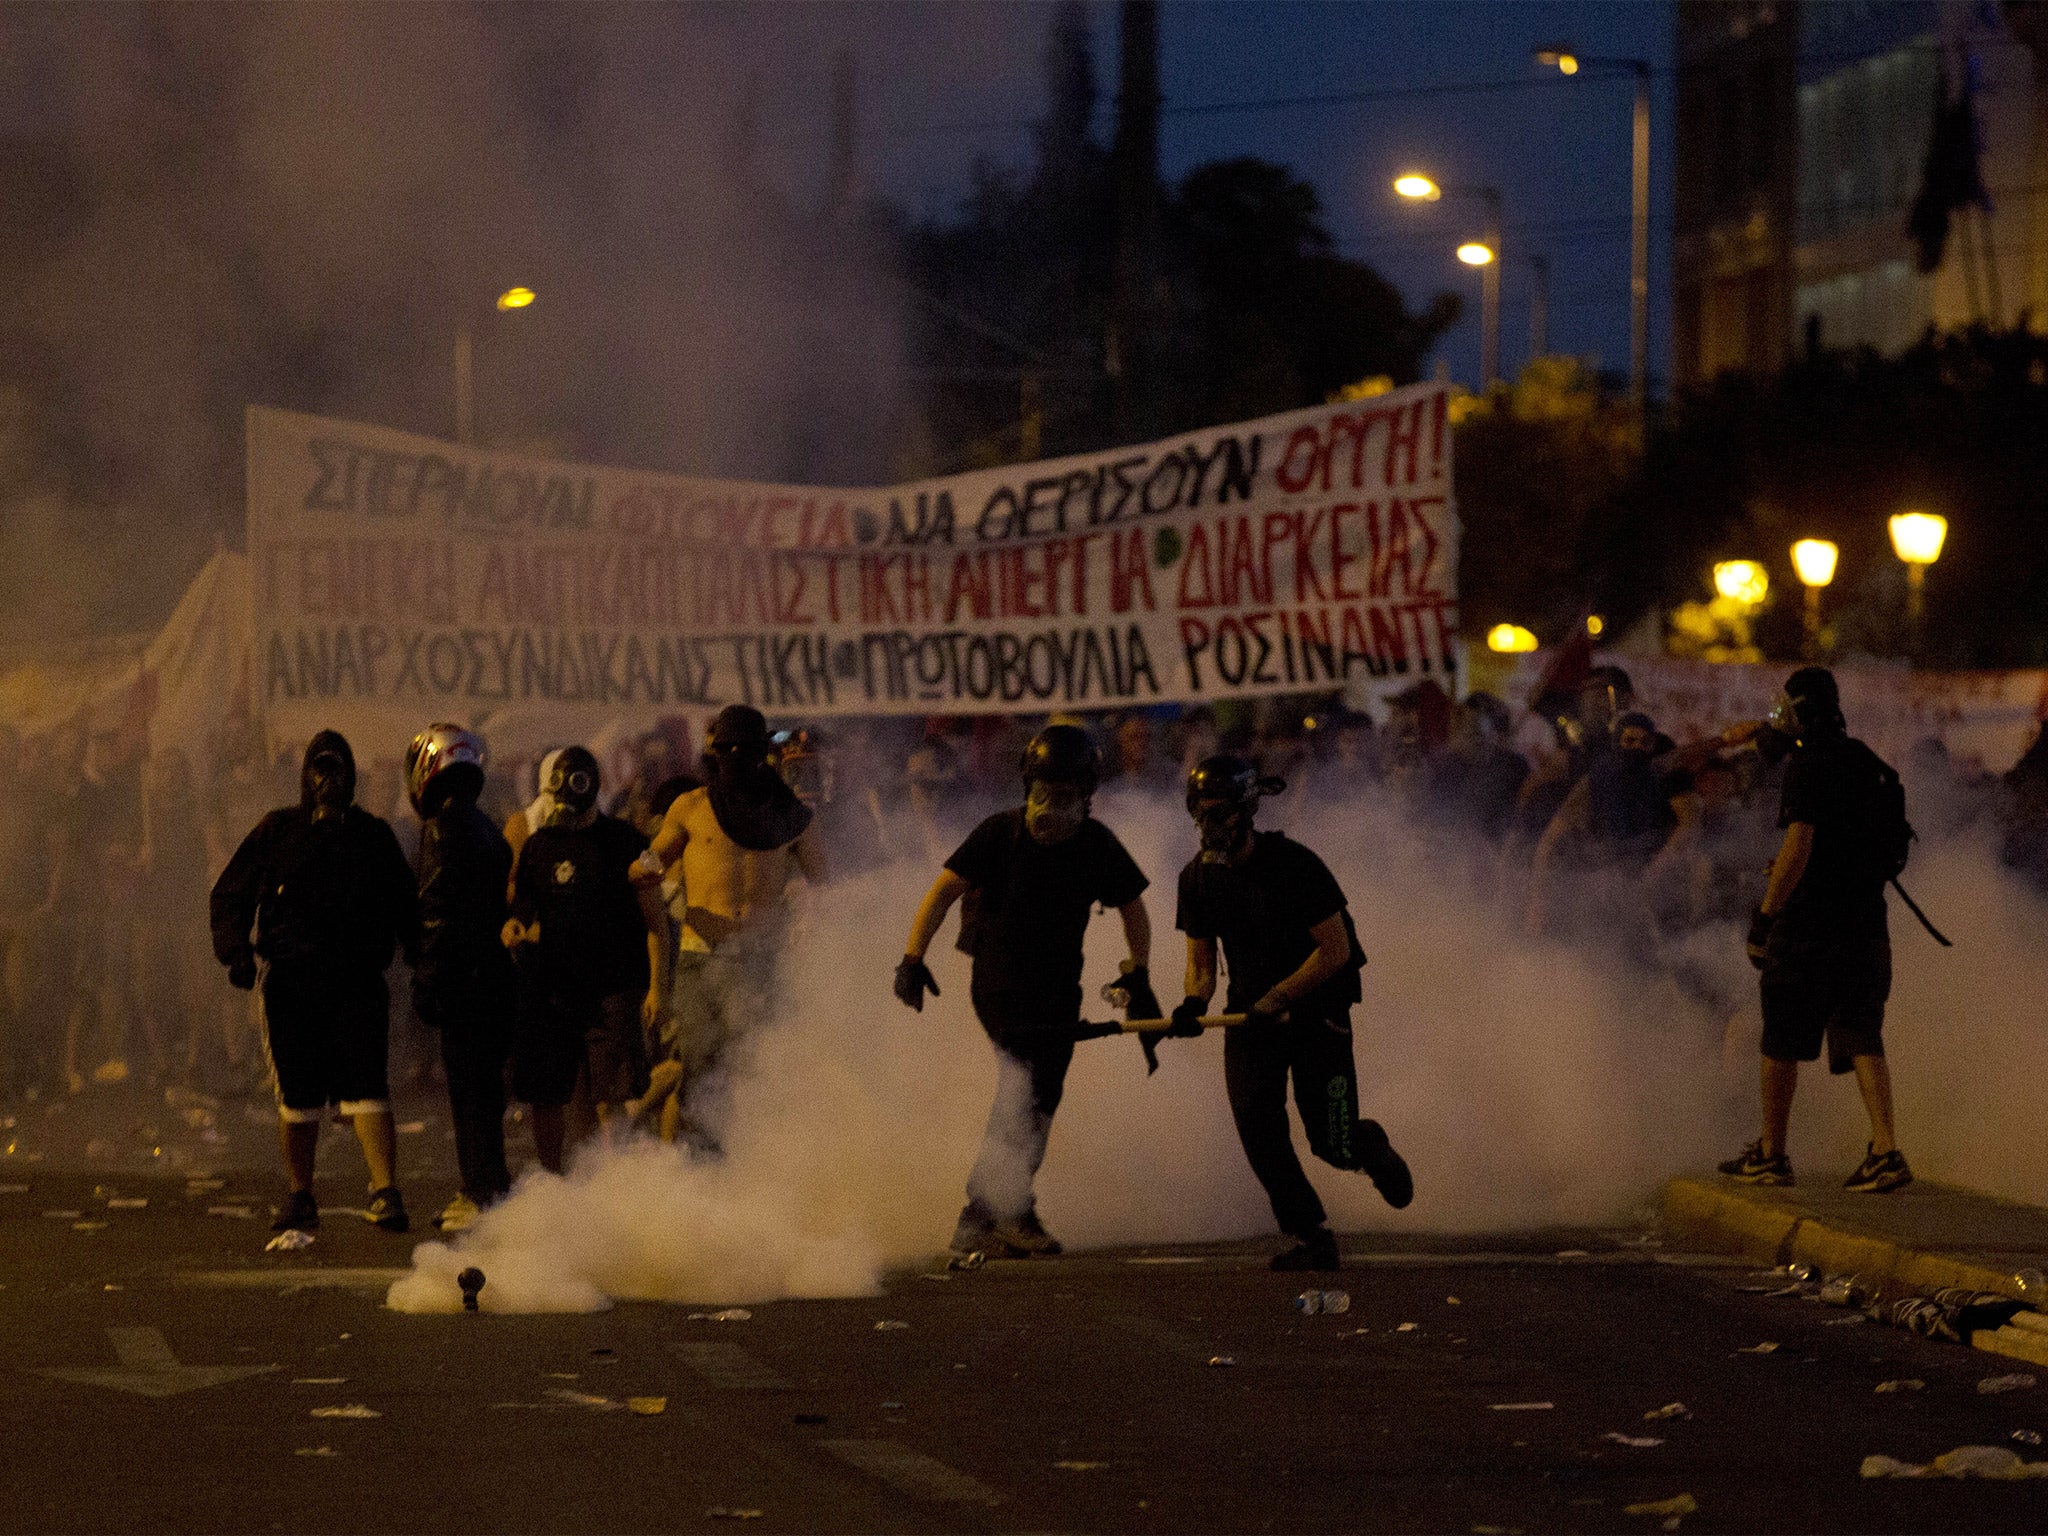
1300, 552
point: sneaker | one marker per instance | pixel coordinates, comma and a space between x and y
1880, 1174
300, 1212
1027, 1235
458, 1215
976, 1233
387, 1211
1316, 1252
1752, 1167
1384, 1166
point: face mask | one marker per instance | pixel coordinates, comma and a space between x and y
1054, 812
1222, 829
333, 786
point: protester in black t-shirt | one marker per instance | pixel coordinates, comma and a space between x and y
588, 940
1821, 939
1280, 918
1031, 878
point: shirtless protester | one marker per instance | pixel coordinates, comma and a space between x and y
740, 840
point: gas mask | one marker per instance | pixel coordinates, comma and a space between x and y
1223, 827
572, 785
1053, 812
332, 782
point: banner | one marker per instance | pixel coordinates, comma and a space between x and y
1301, 552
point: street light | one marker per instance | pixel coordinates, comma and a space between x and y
1916, 539
1565, 61
1509, 639
1743, 581
1415, 187
465, 364
1814, 560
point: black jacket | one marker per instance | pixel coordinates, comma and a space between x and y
464, 867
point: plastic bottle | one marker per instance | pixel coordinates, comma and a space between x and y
1310, 1303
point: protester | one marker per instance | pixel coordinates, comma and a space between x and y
311, 908
462, 983
2023, 817
1282, 923
1475, 782
1820, 936
740, 839
1615, 818
589, 944
1030, 878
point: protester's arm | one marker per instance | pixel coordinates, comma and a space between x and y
1332, 953
1684, 837
654, 913
1569, 821
1137, 931
666, 848
931, 912
1789, 867
1201, 974
232, 904
522, 926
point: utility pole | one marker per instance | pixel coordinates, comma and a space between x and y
1129, 350
1539, 306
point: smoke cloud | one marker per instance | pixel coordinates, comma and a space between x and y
1528, 1082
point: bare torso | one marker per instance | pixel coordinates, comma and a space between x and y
728, 888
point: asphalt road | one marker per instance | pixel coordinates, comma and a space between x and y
1082, 1393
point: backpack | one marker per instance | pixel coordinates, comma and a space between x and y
1885, 834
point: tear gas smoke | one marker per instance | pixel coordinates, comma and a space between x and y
1529, 1083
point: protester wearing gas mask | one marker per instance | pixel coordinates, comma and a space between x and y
741, 840
1282, 924
462, 984
310, 909
589, 944
1030, 878
1616, 818
1821, 937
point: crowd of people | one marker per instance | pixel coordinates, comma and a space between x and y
600, 948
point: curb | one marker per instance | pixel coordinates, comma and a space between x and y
1723, 1217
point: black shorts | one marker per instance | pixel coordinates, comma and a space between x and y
1834, 990
328, 1039
559, 1037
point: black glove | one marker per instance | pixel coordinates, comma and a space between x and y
1187, 1019
913, 980
1760, 937
1140, 1001
242, 972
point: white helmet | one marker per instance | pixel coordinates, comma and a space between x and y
438, 750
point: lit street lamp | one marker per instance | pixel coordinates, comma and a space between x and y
1743, 581
1916, 540
1482, 253
1814, 560
1565, 61
1509, 640
465, 364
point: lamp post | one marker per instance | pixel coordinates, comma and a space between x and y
1539, 306
1814, 560
1565, 61
465, 364
1916, 539
1418, 188
1743, 581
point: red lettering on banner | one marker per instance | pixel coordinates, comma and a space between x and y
917, 588
1294, 481
1358, 429
1338, 559
1308, 528
1396, 554
1386, 638
1404, 437
970, 584
1425, 583
1130, 570
1351, 634
832, 587
1241, 564
1197, 556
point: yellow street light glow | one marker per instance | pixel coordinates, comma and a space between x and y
1595, 625
1417, 187
1814, 560
1917, 537
1509, 639
1559, 58
1567, 65
1475, 253
1742, 581
515, 298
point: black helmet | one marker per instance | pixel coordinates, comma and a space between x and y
1062, 754
738, 734
1230, 778
1810, 705
573, 780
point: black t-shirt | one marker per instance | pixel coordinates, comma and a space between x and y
1827, 787
577, 882
1262, 909
1031, 905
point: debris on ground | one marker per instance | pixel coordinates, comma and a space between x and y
1907, 1384
2026, 1436
720, 1512
1668, 1411
890, 1325
1671, 1510
1406, 1327
1223, 1359
729, 1315
241, 1212
588, 1400
1987, 1461
1521, 1407
347, 1411
1310, 1303
1080, 1466
316, 1450
127, 1202
647, 1407
1640, 1442
1765, 1348
318, 1381
290, 1240
2019, 1381
967, 1261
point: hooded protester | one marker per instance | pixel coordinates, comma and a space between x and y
588, 941
1821, 936
740, 838
1617, 817
1031, 877
310, 909
1281, 921
462, 983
